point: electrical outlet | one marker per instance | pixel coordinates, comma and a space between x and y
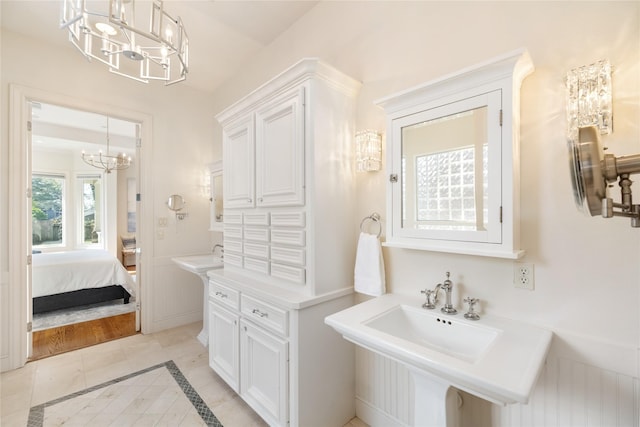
523, 275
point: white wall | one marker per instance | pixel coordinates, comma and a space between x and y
587, 274
182, 148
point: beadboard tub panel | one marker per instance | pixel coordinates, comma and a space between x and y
585, 382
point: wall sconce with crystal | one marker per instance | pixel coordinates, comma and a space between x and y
589, 98
368, 151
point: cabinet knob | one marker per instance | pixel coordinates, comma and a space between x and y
221, 295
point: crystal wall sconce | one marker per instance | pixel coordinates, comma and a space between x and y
589, 98
368, 151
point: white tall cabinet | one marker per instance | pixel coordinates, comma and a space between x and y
289, 240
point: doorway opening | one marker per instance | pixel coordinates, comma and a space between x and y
82, 228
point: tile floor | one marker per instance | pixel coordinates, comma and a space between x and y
47, 379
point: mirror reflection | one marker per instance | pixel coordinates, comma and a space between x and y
445, 172
175, 202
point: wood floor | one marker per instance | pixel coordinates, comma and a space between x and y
58, 340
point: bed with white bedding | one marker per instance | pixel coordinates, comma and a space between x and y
69, 279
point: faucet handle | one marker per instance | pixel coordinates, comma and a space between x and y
471, 314
447, 283
432, 299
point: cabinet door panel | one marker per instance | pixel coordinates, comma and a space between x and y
224, 344
265, 373
280, 152
238, 157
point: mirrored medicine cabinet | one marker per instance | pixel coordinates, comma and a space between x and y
215, 196
453, 161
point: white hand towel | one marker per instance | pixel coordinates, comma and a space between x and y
369, 269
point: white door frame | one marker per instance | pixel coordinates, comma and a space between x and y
19, 182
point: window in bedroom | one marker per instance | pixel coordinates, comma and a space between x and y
47, 209
91, 210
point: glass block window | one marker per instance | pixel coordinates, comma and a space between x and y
446, 188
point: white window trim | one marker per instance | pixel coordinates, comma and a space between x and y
78, 204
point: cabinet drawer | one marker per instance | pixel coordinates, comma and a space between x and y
233, 218
265, 314
224, 295
260, 218
287, 219
258, 250
293, 274
232, 231
233, 259
232, 246
256, 234
288, 237
295, 256
257, 265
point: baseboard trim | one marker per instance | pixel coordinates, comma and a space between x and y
374, 416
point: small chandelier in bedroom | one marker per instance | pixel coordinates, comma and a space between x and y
106, 161
114, 33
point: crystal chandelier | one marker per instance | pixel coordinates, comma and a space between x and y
108, 31
106, 161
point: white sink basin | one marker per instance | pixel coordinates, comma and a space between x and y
199, 264
439, 332
495, 358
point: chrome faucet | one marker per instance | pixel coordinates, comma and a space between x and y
447, 286
213, 250
432, 297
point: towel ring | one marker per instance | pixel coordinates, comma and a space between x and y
375, 217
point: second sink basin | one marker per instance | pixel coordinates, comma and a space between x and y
495, 358
199, 264
443, 333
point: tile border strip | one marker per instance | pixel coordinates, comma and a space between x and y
36, 413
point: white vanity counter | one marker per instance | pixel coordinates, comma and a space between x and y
274, 294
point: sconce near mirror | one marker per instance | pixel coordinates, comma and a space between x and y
176, 203
589, 98
368, 151
592, 172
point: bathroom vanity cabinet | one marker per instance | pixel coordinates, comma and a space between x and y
289, 184
272, 348
289, 195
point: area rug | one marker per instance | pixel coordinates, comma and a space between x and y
158, 395
54, 319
